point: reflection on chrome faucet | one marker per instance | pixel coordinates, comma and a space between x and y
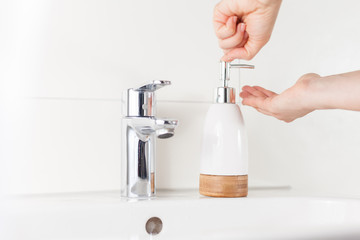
139, 131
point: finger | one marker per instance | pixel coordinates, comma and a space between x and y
242, 43
254, 91
235, 39
227, 29
237, 53
247, 52
226, 51
244, 40
256, 102
251, 101
244, 89
245, 94
265, 91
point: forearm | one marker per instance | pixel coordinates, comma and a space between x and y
340, 91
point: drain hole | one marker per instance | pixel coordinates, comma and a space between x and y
153, 226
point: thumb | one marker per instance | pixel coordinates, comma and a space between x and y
247, 52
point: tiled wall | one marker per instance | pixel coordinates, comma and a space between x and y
66, 64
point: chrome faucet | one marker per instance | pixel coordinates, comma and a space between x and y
139, 129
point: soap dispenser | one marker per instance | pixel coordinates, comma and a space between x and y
224, 157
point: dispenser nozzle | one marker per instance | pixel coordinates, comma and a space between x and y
224, 73
224, 94
225, 70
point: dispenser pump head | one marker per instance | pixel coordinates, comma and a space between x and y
225, 94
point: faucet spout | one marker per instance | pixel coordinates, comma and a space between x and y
165, 128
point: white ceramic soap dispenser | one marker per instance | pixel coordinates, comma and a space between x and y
224, 158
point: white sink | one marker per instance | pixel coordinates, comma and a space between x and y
184, 215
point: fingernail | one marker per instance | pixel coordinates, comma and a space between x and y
235, 19
242, 27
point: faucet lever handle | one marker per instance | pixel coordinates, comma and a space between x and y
153, 86
141, 101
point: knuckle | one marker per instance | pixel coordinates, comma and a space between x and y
249, 56
223, 45
218, 33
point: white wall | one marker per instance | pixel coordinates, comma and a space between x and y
64, 65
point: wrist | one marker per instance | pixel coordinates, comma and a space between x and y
311, 85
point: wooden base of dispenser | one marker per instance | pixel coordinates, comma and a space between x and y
223, 186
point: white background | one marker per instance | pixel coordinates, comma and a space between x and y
64, 65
